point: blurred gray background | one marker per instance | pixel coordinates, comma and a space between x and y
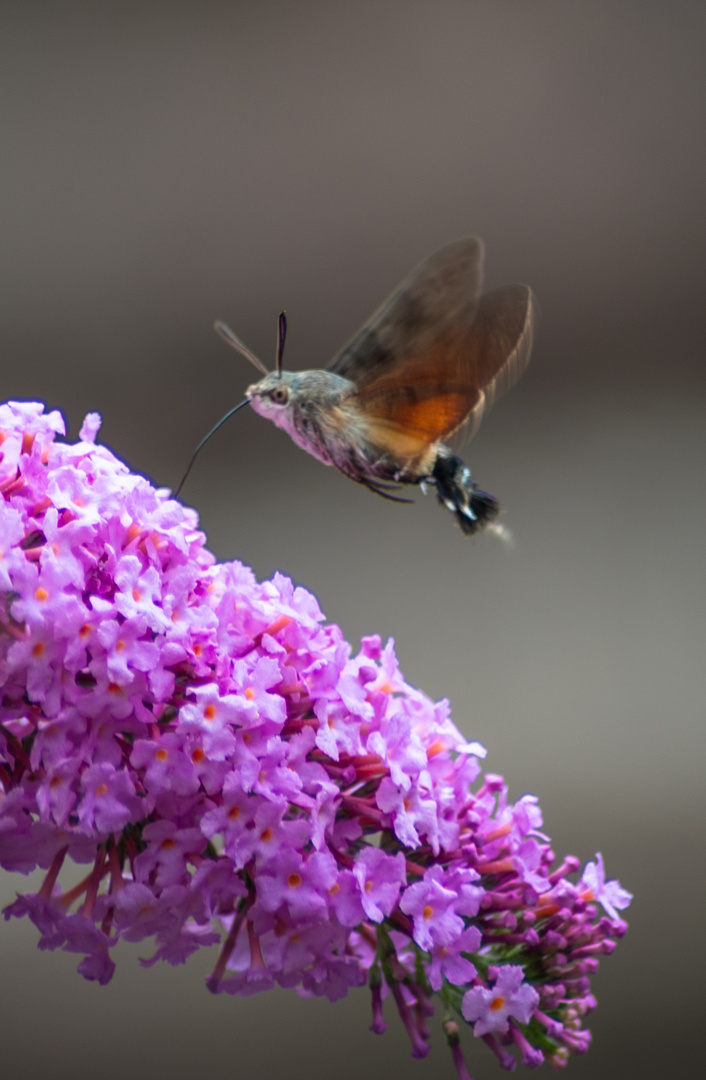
165, 164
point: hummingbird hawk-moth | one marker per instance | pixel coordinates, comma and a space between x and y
423, 368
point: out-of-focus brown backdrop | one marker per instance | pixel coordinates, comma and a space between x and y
164, 164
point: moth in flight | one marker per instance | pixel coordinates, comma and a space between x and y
423, 369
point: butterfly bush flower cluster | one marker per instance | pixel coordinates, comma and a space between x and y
227, 773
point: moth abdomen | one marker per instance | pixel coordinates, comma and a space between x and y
472, 507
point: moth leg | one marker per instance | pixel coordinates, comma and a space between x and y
379, 487
386, 485
384, 490
372, 483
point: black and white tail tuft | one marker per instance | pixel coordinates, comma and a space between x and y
472, 507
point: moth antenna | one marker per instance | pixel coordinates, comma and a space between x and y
235, 343
207, 437
281, 336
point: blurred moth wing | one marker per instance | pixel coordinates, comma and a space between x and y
442, 291
437, 353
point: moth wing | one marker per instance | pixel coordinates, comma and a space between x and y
441, 293
444, 386
498, 349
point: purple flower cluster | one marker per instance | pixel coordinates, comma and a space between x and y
231, 774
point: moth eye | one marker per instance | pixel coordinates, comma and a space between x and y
280, 395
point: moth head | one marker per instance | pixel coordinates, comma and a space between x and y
271, 395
